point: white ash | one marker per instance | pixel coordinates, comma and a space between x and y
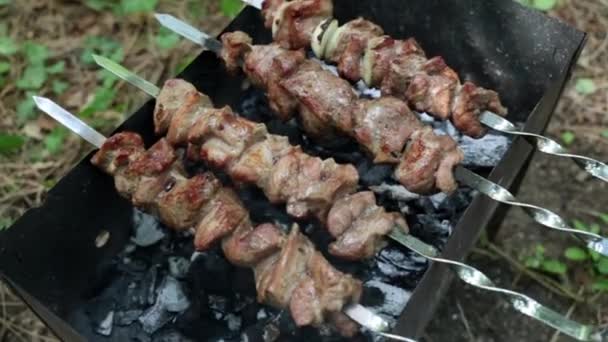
194, 256
395, 300
147, 229
395, 191
154, 318
178, 267
105, 327
171, 295
262, 314
234, 322
125, 318
485, 152
438, 199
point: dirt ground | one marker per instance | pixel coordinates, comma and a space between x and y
465, 314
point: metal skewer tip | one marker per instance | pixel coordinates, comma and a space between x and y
70, 121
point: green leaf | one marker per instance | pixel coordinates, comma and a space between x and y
585, 86
576, 254
5, 222
231, 8
605, 133
137, 6
544, 5
554, 267
99, 5
600, 285
166, 39
2, 3
102, 46
59, 87
5, 67
568, 137
595, 228
54, 141
25, 109
602, 266
10, 143
56, 68
532, 262
580, 225
8, 46
33, 78
35, 53
595, 256
604, 218
104, 97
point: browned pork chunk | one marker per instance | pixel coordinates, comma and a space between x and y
325, 101
266, 66
235, 46
247, 246
428, 163
195, 106
384, 126
224, 137
172, 96
295, 21
309, 185
360, 226
469, 103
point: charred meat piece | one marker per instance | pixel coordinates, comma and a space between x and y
235, 46
360, 226
309, 185
293, 22
325, 100
247, 246
172, 96
469, 103
223, 136
428, 157
384, 126
266, 66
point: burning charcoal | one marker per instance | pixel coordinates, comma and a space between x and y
105, 327
373, 174
234, 322
155, 318
125, 318
171, 295
147, 229
394, 300
261, 333
438, 199
170, 336
178, 267
485, 152
429, 227
210, 265
220, 306
455, 204
396, 264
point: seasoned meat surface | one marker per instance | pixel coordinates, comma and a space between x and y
172, 96
294, 22
235, 46
470, 102
427, 156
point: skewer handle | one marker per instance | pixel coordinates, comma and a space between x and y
541, 215
520, 302
593, 167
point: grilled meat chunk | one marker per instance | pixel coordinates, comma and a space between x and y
247, 246
325, 101
193, 108
427, 158
223, 215
309, 185
235, 46
172, 96
469, 103
293, 22
266, 66
383, 127
360, 226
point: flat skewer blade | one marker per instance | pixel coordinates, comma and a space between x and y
189, 32
254, 3
126, 75
70, 121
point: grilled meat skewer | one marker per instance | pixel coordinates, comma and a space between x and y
290, 273
399, 68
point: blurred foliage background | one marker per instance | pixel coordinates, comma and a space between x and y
46, 48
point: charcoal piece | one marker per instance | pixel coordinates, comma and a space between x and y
105, 326
397, 265
178, 267
211, 272
249, 313
233, 322
455, 204
149, 283
374, 174
432, 227
147, 229
485, 152
132, 265
125, 318
395, 298
132, 333
170, 336
171, 295
219, 305
155, 317
99, 308
262, 332
395, 192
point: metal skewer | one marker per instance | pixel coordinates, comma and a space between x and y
543, 216
546, 145
357, 312
465, 272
